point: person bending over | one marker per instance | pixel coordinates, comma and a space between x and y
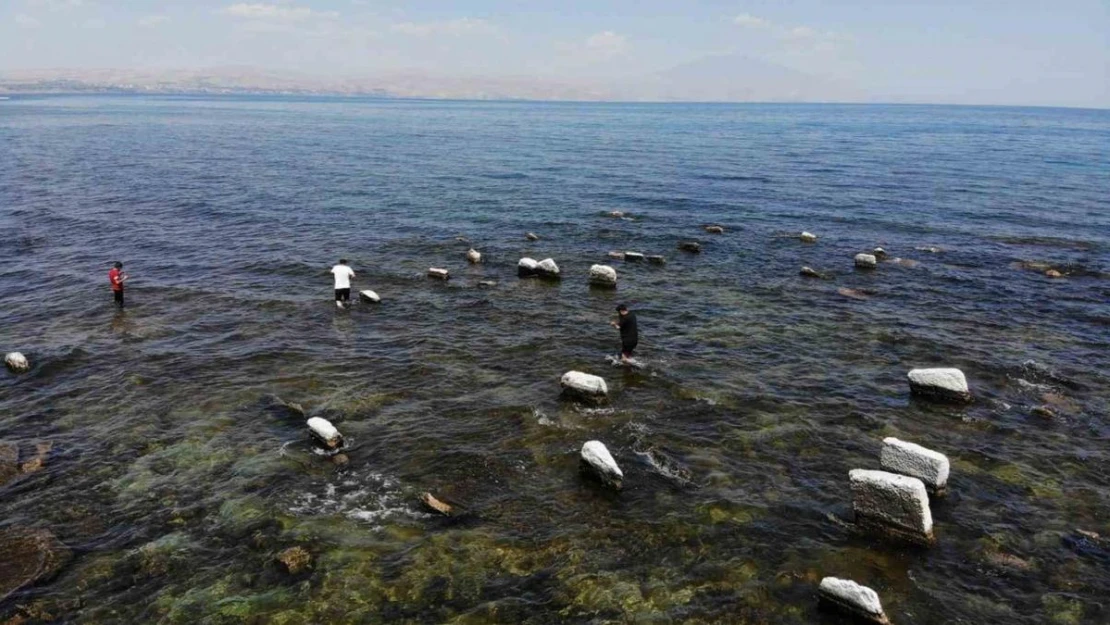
343, 275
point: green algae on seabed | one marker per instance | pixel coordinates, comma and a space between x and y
1062, 610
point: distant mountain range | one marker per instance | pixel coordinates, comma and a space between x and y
712, 79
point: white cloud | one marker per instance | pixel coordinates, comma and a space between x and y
801, 32
95, 23
607, 43
461, 26
747, 20
26, 21
285, 13
150, 21
55, 6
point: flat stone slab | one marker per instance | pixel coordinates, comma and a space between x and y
656, 259
436, 272
910, 459
943, 384
633, 257
597, 460
897, 505
369, 296
852, 598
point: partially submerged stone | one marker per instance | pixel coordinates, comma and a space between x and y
929, 249
294, 560
897, 505
531, 236
37, 461
809, 272
435, 504
633, 257
17, 362
436, 272
474, 256
487, 284
690, 246
584, 386
547, 268
944, 384
715, 229
879, 253
808, 237
323, 431
655, 259
527, 268
1052, 273
28, 556
9, 462
852, 598
616, 255
603, 275
617, 214
910, 459
369, 296
853, 293
597, 460
866, 261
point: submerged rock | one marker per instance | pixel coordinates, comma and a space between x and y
37, 461
809, 272
531, 236
584, 386
929, 249
905, 262
1044, 412
656, 260
436, 505
527, 268
715, 229
323, 431
597, 460
808, 237
850, 597
441, 274
474, 256
944, 384
1089, 545
633, 257
17, 362
892, 504
487, 284
29, 556
603, 275
1052, 273
866, 261
853, 293
879, 253
617, 214
915, 461
369, 296
547, 268
616, 255
9, 462
690, 246
294, 560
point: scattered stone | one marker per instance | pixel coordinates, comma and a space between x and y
29, 556
584, 386
944, 384
1007, 561
1088, 545
9, 462
441, 274
617, 214
325, 432
929, 466
853, 293
715, 229
1044, 412
897, 505
294, 560
17, 362
488, 284
879, 253
809, 272
866, 261
597, 460
340, 460
532, 237
905, 262
527, 268
690, 246
369, 296
474, 256
633, 257
931, 250
603, 275
808, 237
850, 597
38, 461
547, 268
1052, 273
435, 504
616, 255
462, 239
656, 260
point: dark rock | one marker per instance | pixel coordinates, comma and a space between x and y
9, 462
294, 560
29, 556
1088, 545
656, 260
690, 246
809, 272
1044, 412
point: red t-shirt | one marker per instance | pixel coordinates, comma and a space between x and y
115, 276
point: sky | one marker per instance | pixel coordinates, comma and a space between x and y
1035, 52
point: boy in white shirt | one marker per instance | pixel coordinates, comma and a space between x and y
343, 275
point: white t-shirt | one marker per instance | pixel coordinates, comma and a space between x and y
343, 275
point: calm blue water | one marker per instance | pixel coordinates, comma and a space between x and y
176, 475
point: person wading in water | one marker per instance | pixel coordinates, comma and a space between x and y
343, 275
116, 278
630, 333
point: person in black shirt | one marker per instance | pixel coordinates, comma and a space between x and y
630, 334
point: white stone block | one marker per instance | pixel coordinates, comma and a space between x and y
584, 385
947, 384
808, 237
474, 256
369, 296
657, 260
547, 268
866, 261
436, 272
897, 504
852, 598
633, 257
324, 431
603, 275
17, 362
527, 267
915, 461
596, 457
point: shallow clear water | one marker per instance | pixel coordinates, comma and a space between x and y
176, 475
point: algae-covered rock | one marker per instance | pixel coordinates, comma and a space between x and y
294, 560
29, 556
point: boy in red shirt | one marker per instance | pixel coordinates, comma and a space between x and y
116, 277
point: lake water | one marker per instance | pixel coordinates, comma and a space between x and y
176, 473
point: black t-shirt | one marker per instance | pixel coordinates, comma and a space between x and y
630, 335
